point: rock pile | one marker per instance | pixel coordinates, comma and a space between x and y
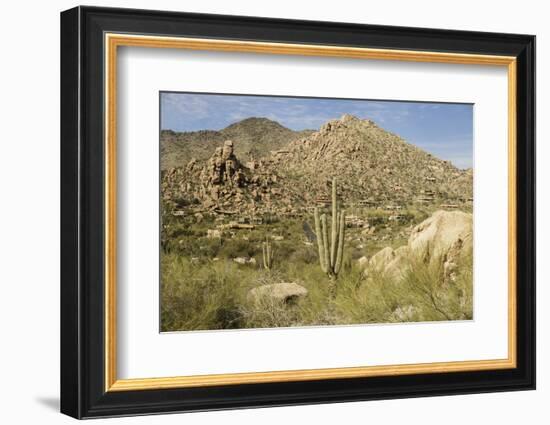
223, 168
221, 175
224, 185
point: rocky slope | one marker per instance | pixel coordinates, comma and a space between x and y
373, 167
254, 138
370, 163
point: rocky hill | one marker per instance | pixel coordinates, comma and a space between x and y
254, 138
375, 168
371, 164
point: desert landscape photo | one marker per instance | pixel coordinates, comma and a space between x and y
288, 211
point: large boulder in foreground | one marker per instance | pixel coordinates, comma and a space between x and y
284, 292
443, 233
446, 236
389, 261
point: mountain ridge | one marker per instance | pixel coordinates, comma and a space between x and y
374, 167
255, 137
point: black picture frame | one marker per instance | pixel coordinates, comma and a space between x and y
83, 392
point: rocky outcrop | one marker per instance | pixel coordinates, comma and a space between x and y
223, 168
375, 168
373, 164
284, 292
444, 237
213, 234
224, 186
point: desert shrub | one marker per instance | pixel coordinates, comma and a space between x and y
304, 254
210, 247
420, 295
285, 249
189, 246
362, 300
238, 247
198, 296
435, 299
269, 313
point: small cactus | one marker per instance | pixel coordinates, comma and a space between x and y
267, 254
331, 251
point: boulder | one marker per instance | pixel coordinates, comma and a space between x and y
398, 264
382, 258
244, 260
240, 260
445, 233
389, 261
213, 234
283, 292
363, 261
445, 236
227, 150
198, 217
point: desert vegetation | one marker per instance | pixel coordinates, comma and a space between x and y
307, 237
209, 294
207, 281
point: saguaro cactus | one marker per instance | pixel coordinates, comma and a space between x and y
331, 251
267, 254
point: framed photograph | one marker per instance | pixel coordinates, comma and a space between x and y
261, 212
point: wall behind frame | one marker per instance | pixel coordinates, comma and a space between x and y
29, 217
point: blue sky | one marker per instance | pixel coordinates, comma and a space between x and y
443, 129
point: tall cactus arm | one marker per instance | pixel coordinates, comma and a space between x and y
334, 226
267, 254
326, 254
270, 255
341, 234
264, 255
320, 244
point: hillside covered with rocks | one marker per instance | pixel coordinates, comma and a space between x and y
288, 173
254, 138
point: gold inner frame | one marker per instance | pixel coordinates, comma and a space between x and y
113, 41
